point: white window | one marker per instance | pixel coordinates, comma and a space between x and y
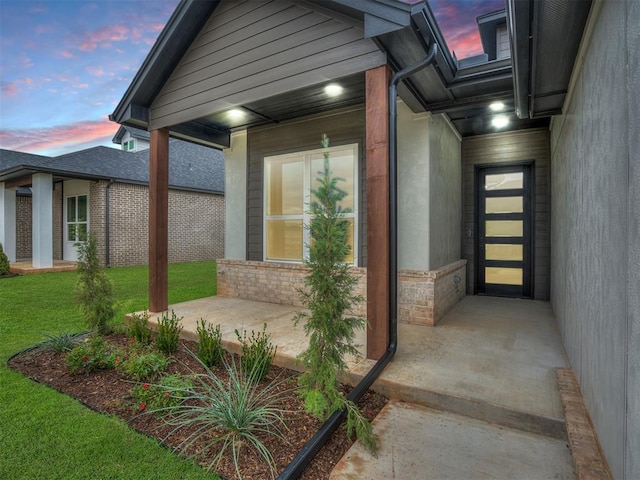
77, 218
288, 182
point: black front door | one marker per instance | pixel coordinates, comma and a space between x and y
504, 231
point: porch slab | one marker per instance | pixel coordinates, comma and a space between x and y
418, 442
490, 358
25, 267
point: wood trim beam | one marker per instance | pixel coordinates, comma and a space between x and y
377, 166
159, 220
24, 181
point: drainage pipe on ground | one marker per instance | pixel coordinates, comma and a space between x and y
313, 446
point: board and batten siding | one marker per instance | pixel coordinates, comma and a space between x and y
256, 49
512, 148
343, 127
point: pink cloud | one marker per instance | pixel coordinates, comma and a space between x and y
104, 37
9, 88
95, 71
42, 139
67, 54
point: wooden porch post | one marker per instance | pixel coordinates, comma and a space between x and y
158, 220
377, 131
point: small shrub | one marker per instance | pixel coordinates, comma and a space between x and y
94, 291
257, 353
62, 342
143, 366
4, 262
168, 333
94, 354
139, 329
210, 351
168, 392
226, 416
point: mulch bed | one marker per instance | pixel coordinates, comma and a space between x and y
109, 392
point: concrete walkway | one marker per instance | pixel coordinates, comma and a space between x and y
489, 364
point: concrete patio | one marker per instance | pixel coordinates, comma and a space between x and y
488, 367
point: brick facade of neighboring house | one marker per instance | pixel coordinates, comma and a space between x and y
196, 220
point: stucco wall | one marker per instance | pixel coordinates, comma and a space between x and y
235, 167
445, 194
413, 189
595, 233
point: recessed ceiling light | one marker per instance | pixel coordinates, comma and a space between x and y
496, 106
236, 114
500, 121
333, 90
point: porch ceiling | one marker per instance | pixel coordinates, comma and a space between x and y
403, 32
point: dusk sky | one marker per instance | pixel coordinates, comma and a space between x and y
65, 64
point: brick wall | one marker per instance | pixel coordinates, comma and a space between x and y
196, 225
24, 227
57, 221
423, 297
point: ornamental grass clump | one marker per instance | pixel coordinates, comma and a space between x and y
94, 291
168, 333
210, 351
228, 417
61, 342
329, 295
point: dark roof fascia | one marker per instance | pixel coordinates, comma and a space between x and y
379, 16
518, 26
487, 26
174, 40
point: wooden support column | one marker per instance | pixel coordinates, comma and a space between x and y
377, 166
159, 220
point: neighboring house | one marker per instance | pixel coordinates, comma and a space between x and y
50, 203
539, 201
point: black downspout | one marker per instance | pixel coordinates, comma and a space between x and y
107, 216
313, 446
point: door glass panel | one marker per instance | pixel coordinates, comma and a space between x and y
284, 240
503, 228
71, 209
82, 208
285, 183
504, 181
71, 232
503, 276
82, 232
504, 205
503, 252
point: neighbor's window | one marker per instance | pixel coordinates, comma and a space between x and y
77, 218
289, 180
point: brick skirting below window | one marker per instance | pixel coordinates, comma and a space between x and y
424, 297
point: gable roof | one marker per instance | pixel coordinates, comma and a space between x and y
132, 131
403, 31
192, 167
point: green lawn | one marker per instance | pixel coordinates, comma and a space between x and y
44, 434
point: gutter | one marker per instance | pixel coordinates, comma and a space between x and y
313, 446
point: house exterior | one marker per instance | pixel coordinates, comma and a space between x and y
105, 191
537, 201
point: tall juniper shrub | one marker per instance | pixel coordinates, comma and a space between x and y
329, 295
94, 291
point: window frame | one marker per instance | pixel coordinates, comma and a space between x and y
305, 217
76, 222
